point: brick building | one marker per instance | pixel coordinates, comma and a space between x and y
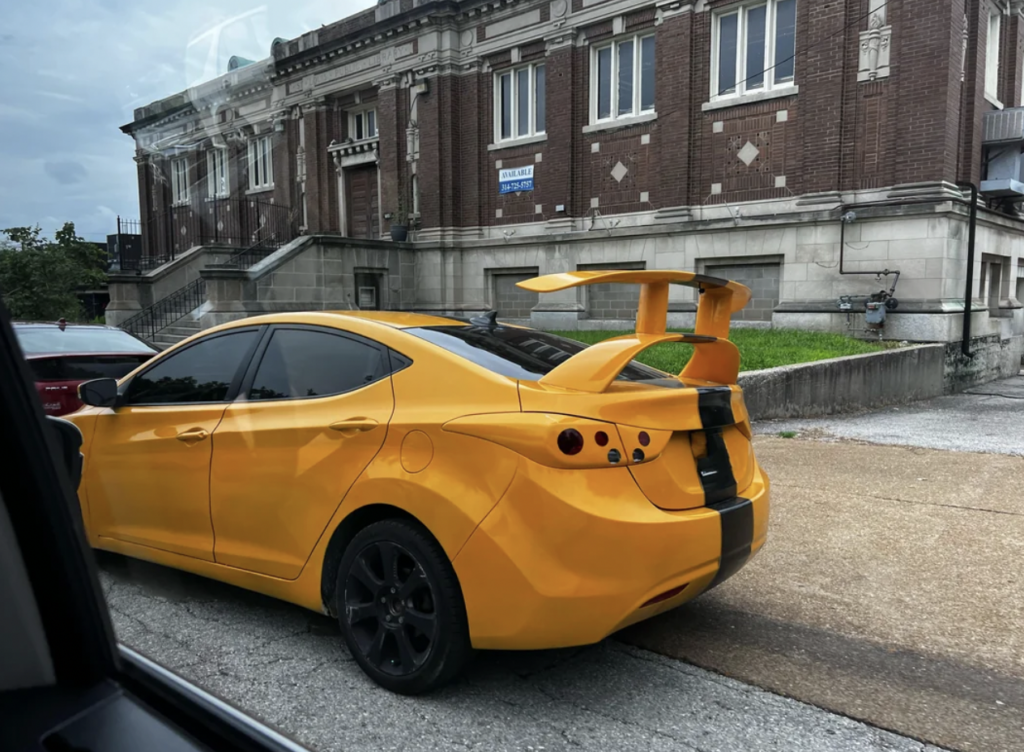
799, 146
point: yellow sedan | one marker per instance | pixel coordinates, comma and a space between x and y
437, 484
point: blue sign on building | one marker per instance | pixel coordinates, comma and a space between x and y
515, 180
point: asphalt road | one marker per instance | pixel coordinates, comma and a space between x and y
290, 668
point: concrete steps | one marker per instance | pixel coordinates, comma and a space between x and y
175, 333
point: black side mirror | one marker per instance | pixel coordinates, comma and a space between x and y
98, 392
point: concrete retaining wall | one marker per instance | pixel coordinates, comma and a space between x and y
856, 382
991, 358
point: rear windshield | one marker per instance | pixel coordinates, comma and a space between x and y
36, 340
86, 367
524, 354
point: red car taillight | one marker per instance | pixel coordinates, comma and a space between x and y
570, 441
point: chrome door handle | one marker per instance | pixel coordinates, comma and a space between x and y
193, 435
352, 426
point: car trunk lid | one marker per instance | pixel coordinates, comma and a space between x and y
697, 436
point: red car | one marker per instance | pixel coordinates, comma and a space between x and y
64, 355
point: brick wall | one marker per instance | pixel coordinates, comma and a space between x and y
919, 124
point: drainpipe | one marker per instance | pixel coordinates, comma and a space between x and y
965, 345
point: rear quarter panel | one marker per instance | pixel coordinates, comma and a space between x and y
449, 482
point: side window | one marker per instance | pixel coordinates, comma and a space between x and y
200, 373
306, 363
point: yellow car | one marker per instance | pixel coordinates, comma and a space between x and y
438, 485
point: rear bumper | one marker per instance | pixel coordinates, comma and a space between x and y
568, 557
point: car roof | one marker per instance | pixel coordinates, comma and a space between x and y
402, 319
55, 325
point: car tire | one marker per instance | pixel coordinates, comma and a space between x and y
401, 609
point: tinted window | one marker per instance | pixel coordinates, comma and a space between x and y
85, 367
525, 354
200, 373
306, 363
50, 339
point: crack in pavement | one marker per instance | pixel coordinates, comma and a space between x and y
778, 484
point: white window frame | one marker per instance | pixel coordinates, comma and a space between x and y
770, 83
636, 111
179, 180
218, 182
365, 115
261, 163
532, 131
993, 53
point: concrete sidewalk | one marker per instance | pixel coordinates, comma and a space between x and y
891, 590
987, 418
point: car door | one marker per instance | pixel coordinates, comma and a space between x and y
313, 413
148, 471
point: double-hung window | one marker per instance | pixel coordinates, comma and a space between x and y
754, 48
179, 180
217, 174
992, 53
519, 102
363, 125
622, 79
261, 164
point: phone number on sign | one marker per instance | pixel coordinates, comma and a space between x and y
514, 186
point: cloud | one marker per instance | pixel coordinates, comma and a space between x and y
75, 71
65, 173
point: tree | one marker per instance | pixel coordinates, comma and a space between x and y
39, 278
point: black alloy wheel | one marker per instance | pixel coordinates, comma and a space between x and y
401, 609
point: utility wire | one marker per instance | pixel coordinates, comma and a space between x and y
821, 41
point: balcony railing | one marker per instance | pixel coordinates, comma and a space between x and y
242, 223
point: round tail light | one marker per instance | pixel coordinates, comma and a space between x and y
601, 438
644, 438
570, 441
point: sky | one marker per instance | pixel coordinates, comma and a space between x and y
73, 71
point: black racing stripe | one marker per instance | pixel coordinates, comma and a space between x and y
714, 403
715, 470
737, 518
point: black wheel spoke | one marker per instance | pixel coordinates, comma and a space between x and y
416, 580
406, 653
389, 559
377, 646
361, 612
421, 622
361, 571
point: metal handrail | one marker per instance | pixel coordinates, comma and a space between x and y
169, 309
252, 255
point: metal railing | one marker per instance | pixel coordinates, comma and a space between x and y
237, 222
253, 254
157, 317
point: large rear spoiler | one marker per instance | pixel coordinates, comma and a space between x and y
715, 358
